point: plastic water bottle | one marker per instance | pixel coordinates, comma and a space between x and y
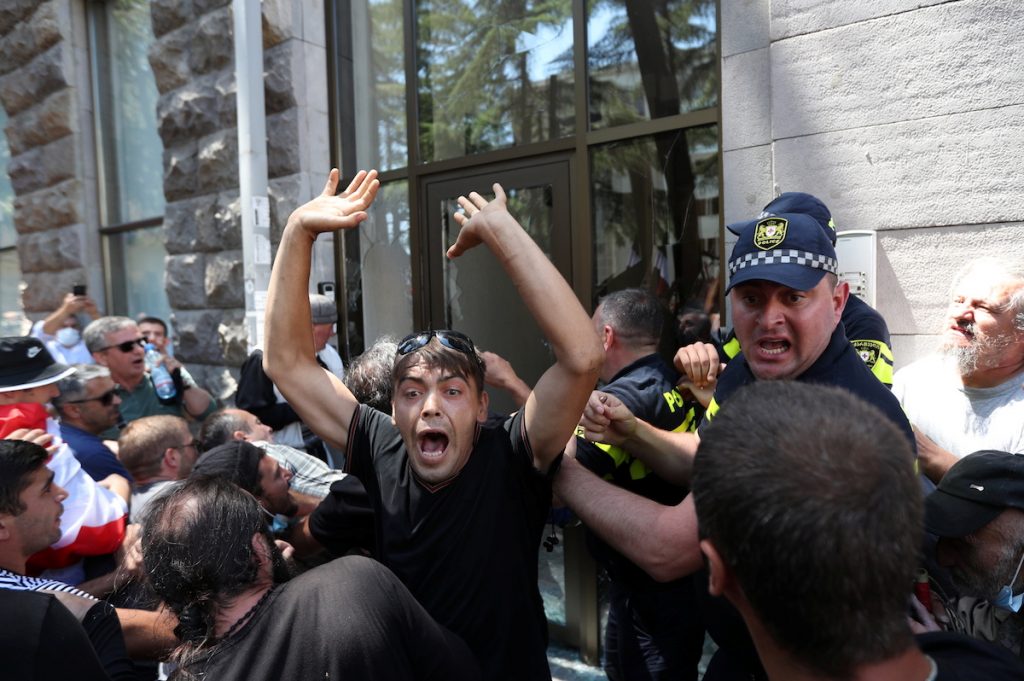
162, 381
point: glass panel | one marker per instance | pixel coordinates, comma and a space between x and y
493, 74
382, 283
646, 235
648, 60
483, 303
141, 285
380, 102
551, 576
133, 152
12, 321
8, 236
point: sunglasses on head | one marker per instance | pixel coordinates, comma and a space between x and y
106, 399
127, 346
450, 339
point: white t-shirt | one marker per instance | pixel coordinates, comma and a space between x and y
959, 419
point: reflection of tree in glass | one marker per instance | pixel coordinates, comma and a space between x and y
484, 82
131, 117
387, 45
655, 58
671, 46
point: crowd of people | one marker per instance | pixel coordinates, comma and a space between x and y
775, 487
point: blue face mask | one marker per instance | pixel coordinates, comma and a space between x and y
1006, 599
68, 336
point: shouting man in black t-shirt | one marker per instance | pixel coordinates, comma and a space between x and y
458, 508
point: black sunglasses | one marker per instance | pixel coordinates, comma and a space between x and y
449, 339
106, 399
127, 346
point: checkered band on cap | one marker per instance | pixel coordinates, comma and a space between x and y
784, 257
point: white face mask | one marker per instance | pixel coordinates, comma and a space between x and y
68, 336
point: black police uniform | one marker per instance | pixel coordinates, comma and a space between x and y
654, 630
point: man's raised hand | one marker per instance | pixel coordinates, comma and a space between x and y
480, 214
330, 212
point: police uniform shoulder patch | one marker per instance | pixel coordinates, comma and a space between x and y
869, 350
770, 232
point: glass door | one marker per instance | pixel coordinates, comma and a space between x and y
473, 295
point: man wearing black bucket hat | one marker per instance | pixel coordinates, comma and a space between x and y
787, 302
977, 512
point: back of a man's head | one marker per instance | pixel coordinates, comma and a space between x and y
143, 442
19, 459
635, 314
197, 546
368, 375
809, 496
219, 428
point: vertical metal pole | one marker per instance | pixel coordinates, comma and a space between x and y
252, 163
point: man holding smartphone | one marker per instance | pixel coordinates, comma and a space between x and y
61, 331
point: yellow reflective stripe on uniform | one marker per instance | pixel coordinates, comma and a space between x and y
712, 409
732, 348
638, 470
883, 369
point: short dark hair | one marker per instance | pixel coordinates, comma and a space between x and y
636, 314
236, 461
152, 320
19, 459
437, 356
198, 552
218, 428
809, 495
368, 376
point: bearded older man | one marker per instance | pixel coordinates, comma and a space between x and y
970, 395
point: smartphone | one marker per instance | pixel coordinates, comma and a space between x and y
325, 288
78, 289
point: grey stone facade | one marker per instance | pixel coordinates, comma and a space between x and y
45, 89
48, 166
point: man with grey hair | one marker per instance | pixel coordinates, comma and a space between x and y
117, 343
970, 395
258, 395
88, 405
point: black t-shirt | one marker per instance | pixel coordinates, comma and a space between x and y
962, 658
348, 619
40, 640
467, 551
648, 388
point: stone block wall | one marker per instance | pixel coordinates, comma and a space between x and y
904, 116
193, 62
41, 90
45, 88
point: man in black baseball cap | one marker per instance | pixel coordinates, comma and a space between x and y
977, 511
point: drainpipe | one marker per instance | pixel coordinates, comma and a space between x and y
252, 163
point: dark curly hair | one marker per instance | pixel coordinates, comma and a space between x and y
198, 553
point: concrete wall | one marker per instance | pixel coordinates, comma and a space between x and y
904, 116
